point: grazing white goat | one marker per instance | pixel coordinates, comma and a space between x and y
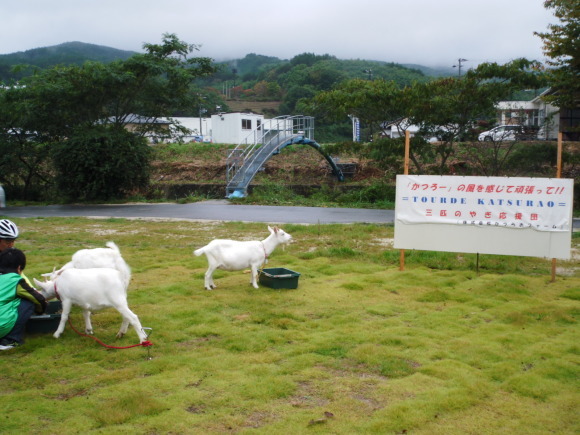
97, 257
91, 289
236, 255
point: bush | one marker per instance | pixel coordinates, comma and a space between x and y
101, 163
379, 193
275, 193
533, 158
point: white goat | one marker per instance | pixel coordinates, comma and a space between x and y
91, 289
97, 257
236, 255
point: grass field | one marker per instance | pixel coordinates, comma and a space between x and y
358, 347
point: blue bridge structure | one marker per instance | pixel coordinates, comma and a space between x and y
267, 140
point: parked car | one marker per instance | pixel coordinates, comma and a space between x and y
195, 138
501, 133
510, 132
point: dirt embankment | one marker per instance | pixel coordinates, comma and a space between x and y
302, 165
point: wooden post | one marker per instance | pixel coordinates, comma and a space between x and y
407, 148
559, 158
405, 172
558, 175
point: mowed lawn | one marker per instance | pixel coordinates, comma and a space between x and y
358, 347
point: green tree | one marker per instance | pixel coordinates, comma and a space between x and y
562, 46
24, 168
309, 59
24, 151
59, 104
373, 102
101, 162
293, 95
274, 90
261, 89
449, 108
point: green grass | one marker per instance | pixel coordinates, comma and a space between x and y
277, 193
195, 150
358, 347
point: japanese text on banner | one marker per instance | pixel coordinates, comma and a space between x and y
544, 204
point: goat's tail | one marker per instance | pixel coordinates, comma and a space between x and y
120, 264
125, 270
113, 246
199, 251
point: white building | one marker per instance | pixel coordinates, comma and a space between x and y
228, 128
533, 113
200, 129
235, 128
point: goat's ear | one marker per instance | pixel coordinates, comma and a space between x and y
270, 229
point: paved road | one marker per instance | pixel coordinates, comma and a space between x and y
215, 210
218, 210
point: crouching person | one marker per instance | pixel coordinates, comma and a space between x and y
18, 300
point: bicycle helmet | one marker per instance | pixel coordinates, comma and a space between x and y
8, 229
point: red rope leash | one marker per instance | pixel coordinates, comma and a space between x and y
146, 343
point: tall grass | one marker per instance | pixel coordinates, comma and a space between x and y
190, 151
358, 347
377, 195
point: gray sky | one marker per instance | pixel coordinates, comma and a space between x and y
425, 32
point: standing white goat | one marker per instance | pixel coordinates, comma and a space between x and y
97, 257
91, 289
236, 255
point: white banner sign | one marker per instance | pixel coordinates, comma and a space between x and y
544, 204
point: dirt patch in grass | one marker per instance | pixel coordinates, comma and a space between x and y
307, 396
571, 266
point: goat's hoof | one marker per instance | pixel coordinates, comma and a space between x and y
120, 334
89, 331
55, 335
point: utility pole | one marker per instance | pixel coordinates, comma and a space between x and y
458, 66
369, 72
201, 111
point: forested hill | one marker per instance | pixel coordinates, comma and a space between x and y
250, 68
321, 69
69, 53
253, 78
263, 78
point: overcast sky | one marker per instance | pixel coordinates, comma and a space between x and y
425, 32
